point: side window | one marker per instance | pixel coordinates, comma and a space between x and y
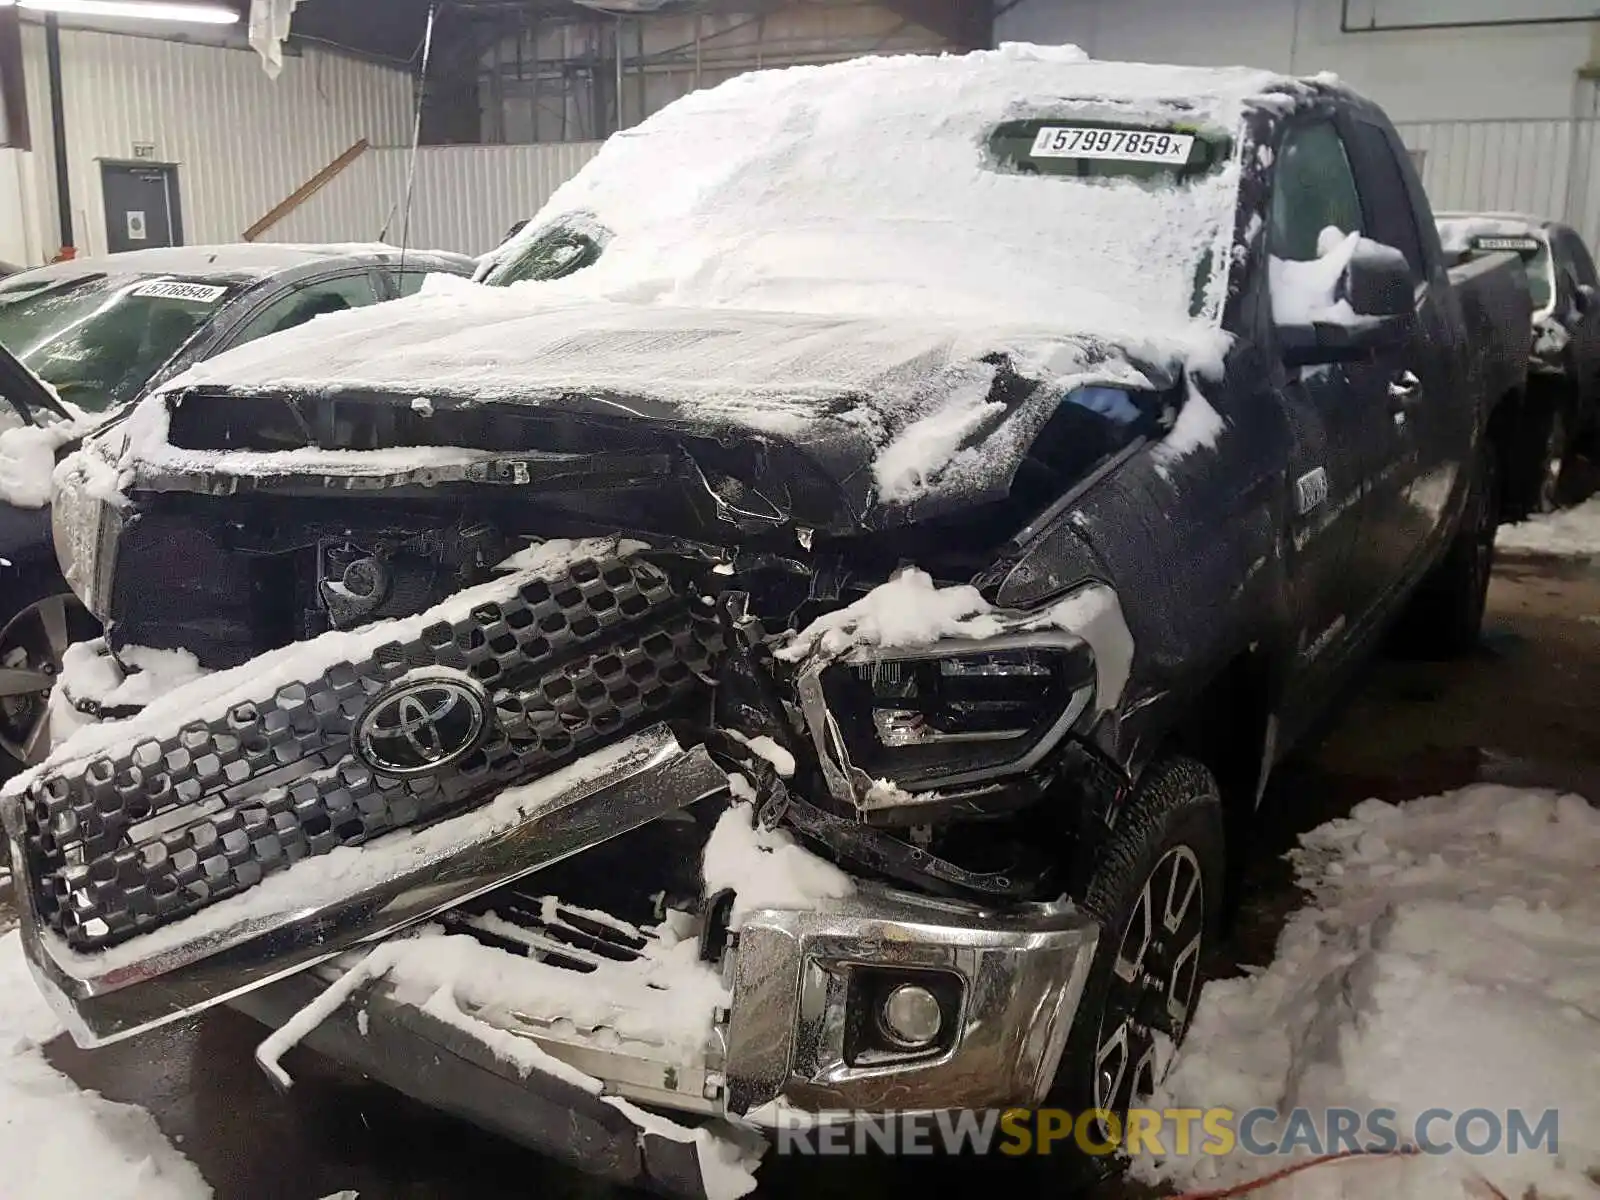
1385, 201
409, 283
304, 303
1314, 188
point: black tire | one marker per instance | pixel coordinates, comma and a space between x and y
26, 641
1174, 823
1445, 617
1550, 472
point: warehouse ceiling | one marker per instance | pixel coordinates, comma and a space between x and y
398, 35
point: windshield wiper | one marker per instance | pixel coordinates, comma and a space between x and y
26, 392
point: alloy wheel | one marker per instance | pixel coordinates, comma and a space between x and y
32, 647
1153, 981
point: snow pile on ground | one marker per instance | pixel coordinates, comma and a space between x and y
911, 612
1450, 958
62, 1143
1574, 531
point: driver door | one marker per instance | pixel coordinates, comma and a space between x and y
1339, 418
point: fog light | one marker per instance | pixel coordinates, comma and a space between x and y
911, 1016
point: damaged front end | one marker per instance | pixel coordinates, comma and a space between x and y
593, 831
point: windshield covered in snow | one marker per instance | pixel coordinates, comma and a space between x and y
1009, 188
98, 338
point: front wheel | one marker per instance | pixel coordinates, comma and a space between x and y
1552, 461
33, 644
1157, 893
1445, 617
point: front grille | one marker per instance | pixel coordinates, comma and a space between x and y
123, 843
544, 928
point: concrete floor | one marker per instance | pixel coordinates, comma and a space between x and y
1522, 711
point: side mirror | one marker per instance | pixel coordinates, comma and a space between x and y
1379, 284
1378, 288
1320, 343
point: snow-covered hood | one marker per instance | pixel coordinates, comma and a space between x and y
901, 418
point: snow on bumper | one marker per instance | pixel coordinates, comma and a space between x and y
780, 1034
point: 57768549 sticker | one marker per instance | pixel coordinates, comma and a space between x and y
176, 289
1126, 145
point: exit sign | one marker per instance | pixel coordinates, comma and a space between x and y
144, 150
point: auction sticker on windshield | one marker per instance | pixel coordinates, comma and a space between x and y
171, 289
1518, 245
1127, 145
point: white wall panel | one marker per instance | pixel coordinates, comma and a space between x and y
242, 142
465, 199
1515, 71
21, 241
1539, 167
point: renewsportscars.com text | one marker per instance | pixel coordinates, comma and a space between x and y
1262, 1132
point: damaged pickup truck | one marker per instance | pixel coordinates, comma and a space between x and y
801, 639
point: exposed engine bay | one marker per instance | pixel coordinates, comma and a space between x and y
929, 770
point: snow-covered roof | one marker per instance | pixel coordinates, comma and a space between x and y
795, 236
245, 260
867, 187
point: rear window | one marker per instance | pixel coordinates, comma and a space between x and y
567, 246
1164, 162
1100, 150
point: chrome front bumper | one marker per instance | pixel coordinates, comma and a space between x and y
782, 1046
1013, 975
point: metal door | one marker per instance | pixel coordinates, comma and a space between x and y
142, 209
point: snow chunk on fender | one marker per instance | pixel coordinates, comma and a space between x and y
767, 868
28, 462
910, 612
907, 613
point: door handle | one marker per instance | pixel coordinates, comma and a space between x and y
1405, 386
1404, 389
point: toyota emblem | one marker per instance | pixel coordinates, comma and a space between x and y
421, 726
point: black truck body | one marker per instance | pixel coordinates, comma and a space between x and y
1131, 594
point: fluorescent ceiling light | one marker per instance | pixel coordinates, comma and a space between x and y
204, 14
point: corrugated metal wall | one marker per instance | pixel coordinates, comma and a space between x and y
1539, 167
466, 197
242, 141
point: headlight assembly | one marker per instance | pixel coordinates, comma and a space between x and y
83, 529
903, 732
959, 714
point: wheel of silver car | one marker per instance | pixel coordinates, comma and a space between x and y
1156, 891
32, 646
